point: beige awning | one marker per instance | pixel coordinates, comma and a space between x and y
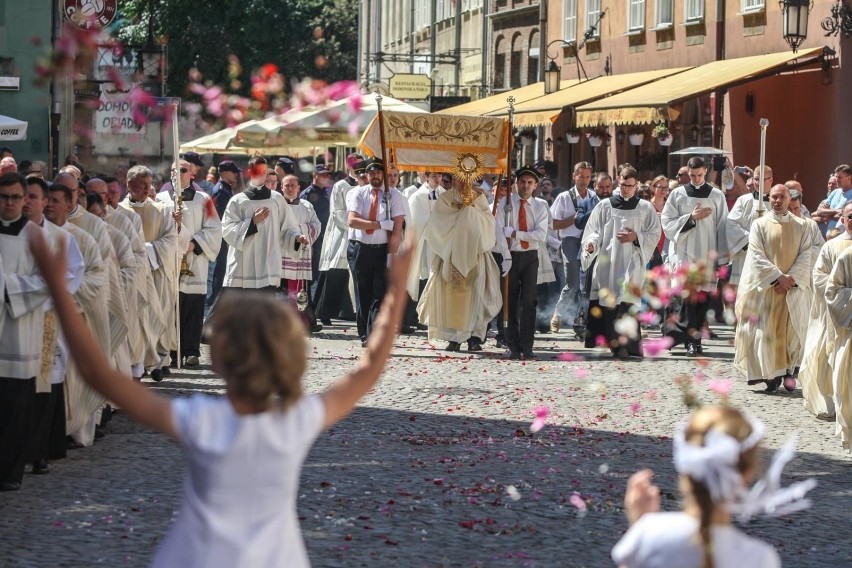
494, 103
653, 102
543, 111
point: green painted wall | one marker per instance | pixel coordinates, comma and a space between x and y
20, 22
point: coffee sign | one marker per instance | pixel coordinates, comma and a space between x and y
91, 14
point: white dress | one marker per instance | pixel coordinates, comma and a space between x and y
666, 540
239, 495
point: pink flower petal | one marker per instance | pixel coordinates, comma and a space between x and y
653, 347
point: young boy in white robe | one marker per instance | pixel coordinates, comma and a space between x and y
297, 272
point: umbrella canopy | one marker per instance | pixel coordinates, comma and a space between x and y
12, 128
300, 131
340, 123
699, 151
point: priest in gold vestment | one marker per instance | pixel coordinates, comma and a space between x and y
773, 296
463, 291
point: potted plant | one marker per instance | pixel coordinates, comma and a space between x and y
636, 136
596, 137
662, 133
527, 137
572, 136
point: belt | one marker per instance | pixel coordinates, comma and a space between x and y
524, 251
359, 243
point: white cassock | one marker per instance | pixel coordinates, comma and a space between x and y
336, 240
421, 203
199, 223
737, 228
773, 326
127, 269
297, 266
80, 399
619, 268
820, 345
463, 292
52, 332
158, 318
255, 251
23, 313
545, 267
140, 288
838, 298
706, 242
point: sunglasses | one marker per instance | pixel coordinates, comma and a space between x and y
182, 170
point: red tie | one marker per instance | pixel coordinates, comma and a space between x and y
374, 209
522, 223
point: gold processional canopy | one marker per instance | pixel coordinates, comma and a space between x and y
468, 146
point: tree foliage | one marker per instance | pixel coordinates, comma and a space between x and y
304, 38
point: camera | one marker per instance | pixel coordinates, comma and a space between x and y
742, 170
718, 163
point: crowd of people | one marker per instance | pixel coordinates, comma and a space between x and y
613, 258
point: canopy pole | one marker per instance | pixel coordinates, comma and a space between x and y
764, 124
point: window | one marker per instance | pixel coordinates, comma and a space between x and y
635, 15
593, 12
665, 13
694, 10
499, 63
569, 30
752, 5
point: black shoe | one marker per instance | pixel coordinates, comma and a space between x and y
166, 371
528, 354
421, 327
514, 354
692, 349
774, 384
157, 375
316, 328
325, 321
363, 343
501, 342
10, 486
106, 415
72, 444
407, 330
99, 432
453, 347
41, 467
474, 345
620, 354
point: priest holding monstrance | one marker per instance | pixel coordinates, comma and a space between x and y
463, 291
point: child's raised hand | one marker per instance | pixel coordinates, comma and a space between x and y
53, 266
642, 496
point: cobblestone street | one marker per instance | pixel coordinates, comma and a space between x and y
438, 466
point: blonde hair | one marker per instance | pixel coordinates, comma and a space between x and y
729, 421
832, 233
261, 344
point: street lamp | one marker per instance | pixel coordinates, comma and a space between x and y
553, 73
795, 21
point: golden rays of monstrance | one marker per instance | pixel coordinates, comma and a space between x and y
468, 168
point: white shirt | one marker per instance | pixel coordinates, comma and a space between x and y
359, 201
238, 508
663, 540
563, 207
538, 223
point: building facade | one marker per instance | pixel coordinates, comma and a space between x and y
594, 38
